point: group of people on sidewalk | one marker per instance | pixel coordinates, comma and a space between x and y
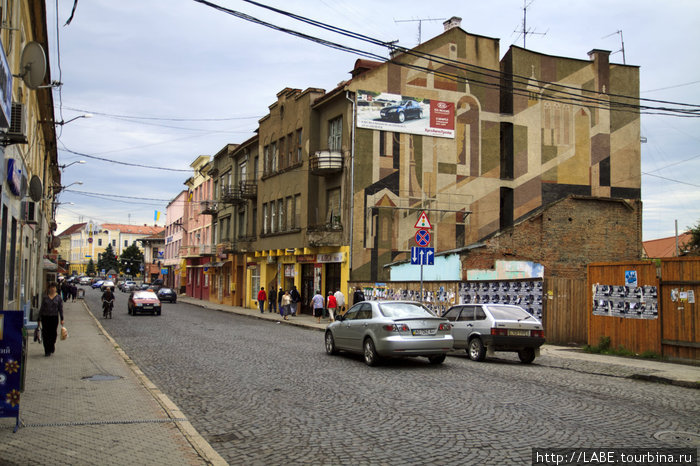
287, 303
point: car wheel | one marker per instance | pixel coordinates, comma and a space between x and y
476, 350
526, 355
370, 353
439, 359
157, 313
401, 117
128, 310
420, 114
330, 344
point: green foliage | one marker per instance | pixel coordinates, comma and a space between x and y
90, 269
108, 260
693, 246
131, 260
604, 347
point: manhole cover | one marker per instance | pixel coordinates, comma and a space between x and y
226, 437
673, 437
101, 377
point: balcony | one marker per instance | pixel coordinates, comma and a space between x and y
231, 195
326, 162
249, 189
226, 246
207, 207
325, 234
206, 250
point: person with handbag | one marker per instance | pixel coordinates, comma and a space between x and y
49, 313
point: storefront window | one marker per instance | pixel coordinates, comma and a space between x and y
254, 282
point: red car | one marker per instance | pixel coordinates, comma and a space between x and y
141, 301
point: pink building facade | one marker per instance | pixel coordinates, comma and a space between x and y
175, 238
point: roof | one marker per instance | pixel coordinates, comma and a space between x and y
73, 229
665, 247
160, 236
132, 229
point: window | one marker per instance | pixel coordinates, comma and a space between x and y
298, 159
254, 222
335, 133
126, 243
281, 215
114, 243
289, 213
266, 160
333, 206
255, 167
297, 211
274, 156
254, 282
273, 217
283, 155
266, 220
99, 241
241, 223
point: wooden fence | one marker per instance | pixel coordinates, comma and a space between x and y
680, 319
565, 313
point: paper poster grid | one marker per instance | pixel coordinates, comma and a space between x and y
631, 302
380, 110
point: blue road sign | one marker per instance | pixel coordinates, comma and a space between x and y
423, 237
422, 256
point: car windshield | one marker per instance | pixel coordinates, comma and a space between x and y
508, 312
145, 295
404, 310
164, 291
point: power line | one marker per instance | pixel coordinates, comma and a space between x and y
65, 149
671, 179
140, 117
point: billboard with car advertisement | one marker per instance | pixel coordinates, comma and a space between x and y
405, 114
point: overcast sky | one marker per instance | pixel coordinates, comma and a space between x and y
169, 80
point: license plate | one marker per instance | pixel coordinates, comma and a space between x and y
424, 331
519, 333
148, 306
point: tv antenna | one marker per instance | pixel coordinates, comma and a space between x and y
525, 31
622, 41
420, 23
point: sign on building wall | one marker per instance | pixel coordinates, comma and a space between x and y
405, 114
11, 342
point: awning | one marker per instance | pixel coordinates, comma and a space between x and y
50, 265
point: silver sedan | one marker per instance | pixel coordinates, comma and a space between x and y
390, 329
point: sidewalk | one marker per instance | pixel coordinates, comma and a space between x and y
89, 404
571, 358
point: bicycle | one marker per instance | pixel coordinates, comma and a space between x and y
107, 309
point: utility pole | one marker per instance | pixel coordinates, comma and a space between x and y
525, 31
420, 23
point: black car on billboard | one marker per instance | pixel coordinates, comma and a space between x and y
402, 111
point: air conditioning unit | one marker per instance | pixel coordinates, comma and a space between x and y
29, 213
17, 132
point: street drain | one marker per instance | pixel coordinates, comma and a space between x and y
101, 377
685, 439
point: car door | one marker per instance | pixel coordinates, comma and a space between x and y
481, 324
463, 326
342, 329
452, 314
358, 326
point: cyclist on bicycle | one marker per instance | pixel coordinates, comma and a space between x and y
107, 301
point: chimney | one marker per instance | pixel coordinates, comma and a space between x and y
601, 69
453, 22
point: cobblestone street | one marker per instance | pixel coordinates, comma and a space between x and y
265, 393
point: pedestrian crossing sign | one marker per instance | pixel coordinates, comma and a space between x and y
423, 223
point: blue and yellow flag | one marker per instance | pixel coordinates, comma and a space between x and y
156, 216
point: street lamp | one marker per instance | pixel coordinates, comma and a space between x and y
63, 122
58, 188
63, 167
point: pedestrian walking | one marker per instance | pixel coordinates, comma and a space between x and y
73, 291
65, 290
262, 297
285, 304
296, 298
280, 293
272, 297
331, 305
317, 305
358, 295
49, 313
340, 301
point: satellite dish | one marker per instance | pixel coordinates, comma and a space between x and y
35, 189
33, 65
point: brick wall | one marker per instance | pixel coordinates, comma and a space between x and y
567, 236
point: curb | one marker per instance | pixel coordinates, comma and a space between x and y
201, 446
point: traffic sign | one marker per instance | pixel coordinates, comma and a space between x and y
423, 237
423, 223
422, 256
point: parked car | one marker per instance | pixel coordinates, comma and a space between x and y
482, 329
156, 284
167, 294
143, 301
389, 329
107, 284
85, 281
402, 111
97, 284
127, 285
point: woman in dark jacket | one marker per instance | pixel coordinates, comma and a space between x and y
49, 313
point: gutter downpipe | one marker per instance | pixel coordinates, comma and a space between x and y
352, 178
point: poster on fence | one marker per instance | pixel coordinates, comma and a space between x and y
11, 339
632, 302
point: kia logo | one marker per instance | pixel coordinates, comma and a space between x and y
442, 105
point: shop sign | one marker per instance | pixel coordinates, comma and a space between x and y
251, 265
308, 258
330, 258
5, 90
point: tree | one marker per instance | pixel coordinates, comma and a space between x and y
90, 270
693, 246
108, 260
131, 260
